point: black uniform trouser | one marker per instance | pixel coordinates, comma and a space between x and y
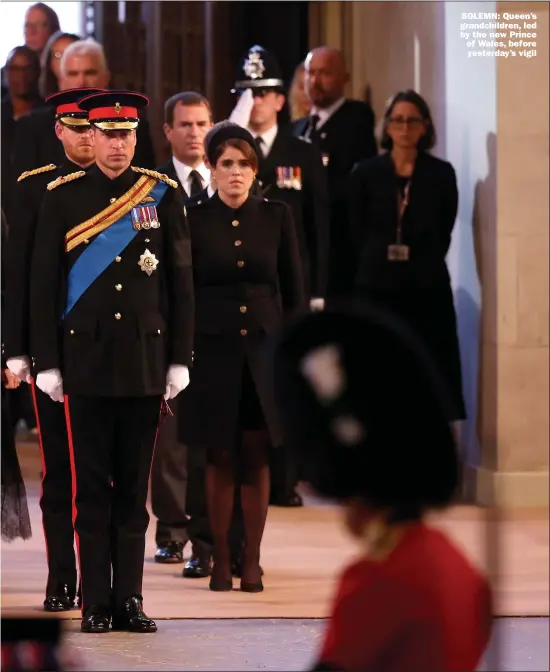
56, 492
169, 483
112, 442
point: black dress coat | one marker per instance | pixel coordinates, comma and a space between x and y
308, 200
419, 290
247, 277
128, 327
344, 140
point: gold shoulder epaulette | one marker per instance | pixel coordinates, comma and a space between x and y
156, 175
63, 179
36, 171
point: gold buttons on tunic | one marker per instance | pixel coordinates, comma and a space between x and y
240, 264
117, 316
117, 259
72, 332
86, 242
238, 243
244, 332
243, 309
112, 200
118, 287
235, 222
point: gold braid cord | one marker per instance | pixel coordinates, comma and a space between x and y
36, 171
156, 175
63, 179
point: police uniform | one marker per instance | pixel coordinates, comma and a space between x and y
55, 496
344, 139
292, 171
123, 339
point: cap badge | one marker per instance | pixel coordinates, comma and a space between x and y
118, 108
254, 66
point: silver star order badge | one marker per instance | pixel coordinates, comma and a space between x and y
148, 262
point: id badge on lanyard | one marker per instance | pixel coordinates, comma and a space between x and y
398, 251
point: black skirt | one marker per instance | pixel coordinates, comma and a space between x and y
431, 314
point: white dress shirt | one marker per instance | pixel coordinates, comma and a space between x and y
183, 171
326, 113
268, 138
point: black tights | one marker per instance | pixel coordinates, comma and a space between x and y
220, 488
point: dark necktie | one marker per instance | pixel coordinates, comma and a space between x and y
312, 127
195, 182
260, 147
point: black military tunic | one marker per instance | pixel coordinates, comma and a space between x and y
113, 349
293, 172
56, 498
247, 277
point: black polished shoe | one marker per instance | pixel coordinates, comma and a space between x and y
132, 618
60, 600
96, 619
170, 554
197, 567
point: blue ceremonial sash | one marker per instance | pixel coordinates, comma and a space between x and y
103, 250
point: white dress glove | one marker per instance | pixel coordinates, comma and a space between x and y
316, 305
243, 109
177, 379
20, 367
51, 383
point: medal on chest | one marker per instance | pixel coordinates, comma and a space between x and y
289, 177
145, 217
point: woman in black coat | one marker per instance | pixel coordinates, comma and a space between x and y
403, 209
247, 277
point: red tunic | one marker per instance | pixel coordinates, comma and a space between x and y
424, 608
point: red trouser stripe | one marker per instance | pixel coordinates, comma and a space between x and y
42, 461
74, 490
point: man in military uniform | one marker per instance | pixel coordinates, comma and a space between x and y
292, 171
73, 131
113, 249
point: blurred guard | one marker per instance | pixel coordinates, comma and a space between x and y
291, 171
364, 405
73, 130
113, 249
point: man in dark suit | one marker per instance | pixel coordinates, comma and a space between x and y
344, 132
113, 248
187, 119
290, 170
83, 64
74, 136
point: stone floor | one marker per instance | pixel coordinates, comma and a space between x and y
522, 645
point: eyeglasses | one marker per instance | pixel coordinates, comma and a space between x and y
413, 122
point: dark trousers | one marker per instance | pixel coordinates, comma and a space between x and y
169, 483
112, 442
56, 492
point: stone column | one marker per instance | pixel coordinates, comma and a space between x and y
514, 383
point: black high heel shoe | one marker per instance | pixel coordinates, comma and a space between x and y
251, 586
219, 584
